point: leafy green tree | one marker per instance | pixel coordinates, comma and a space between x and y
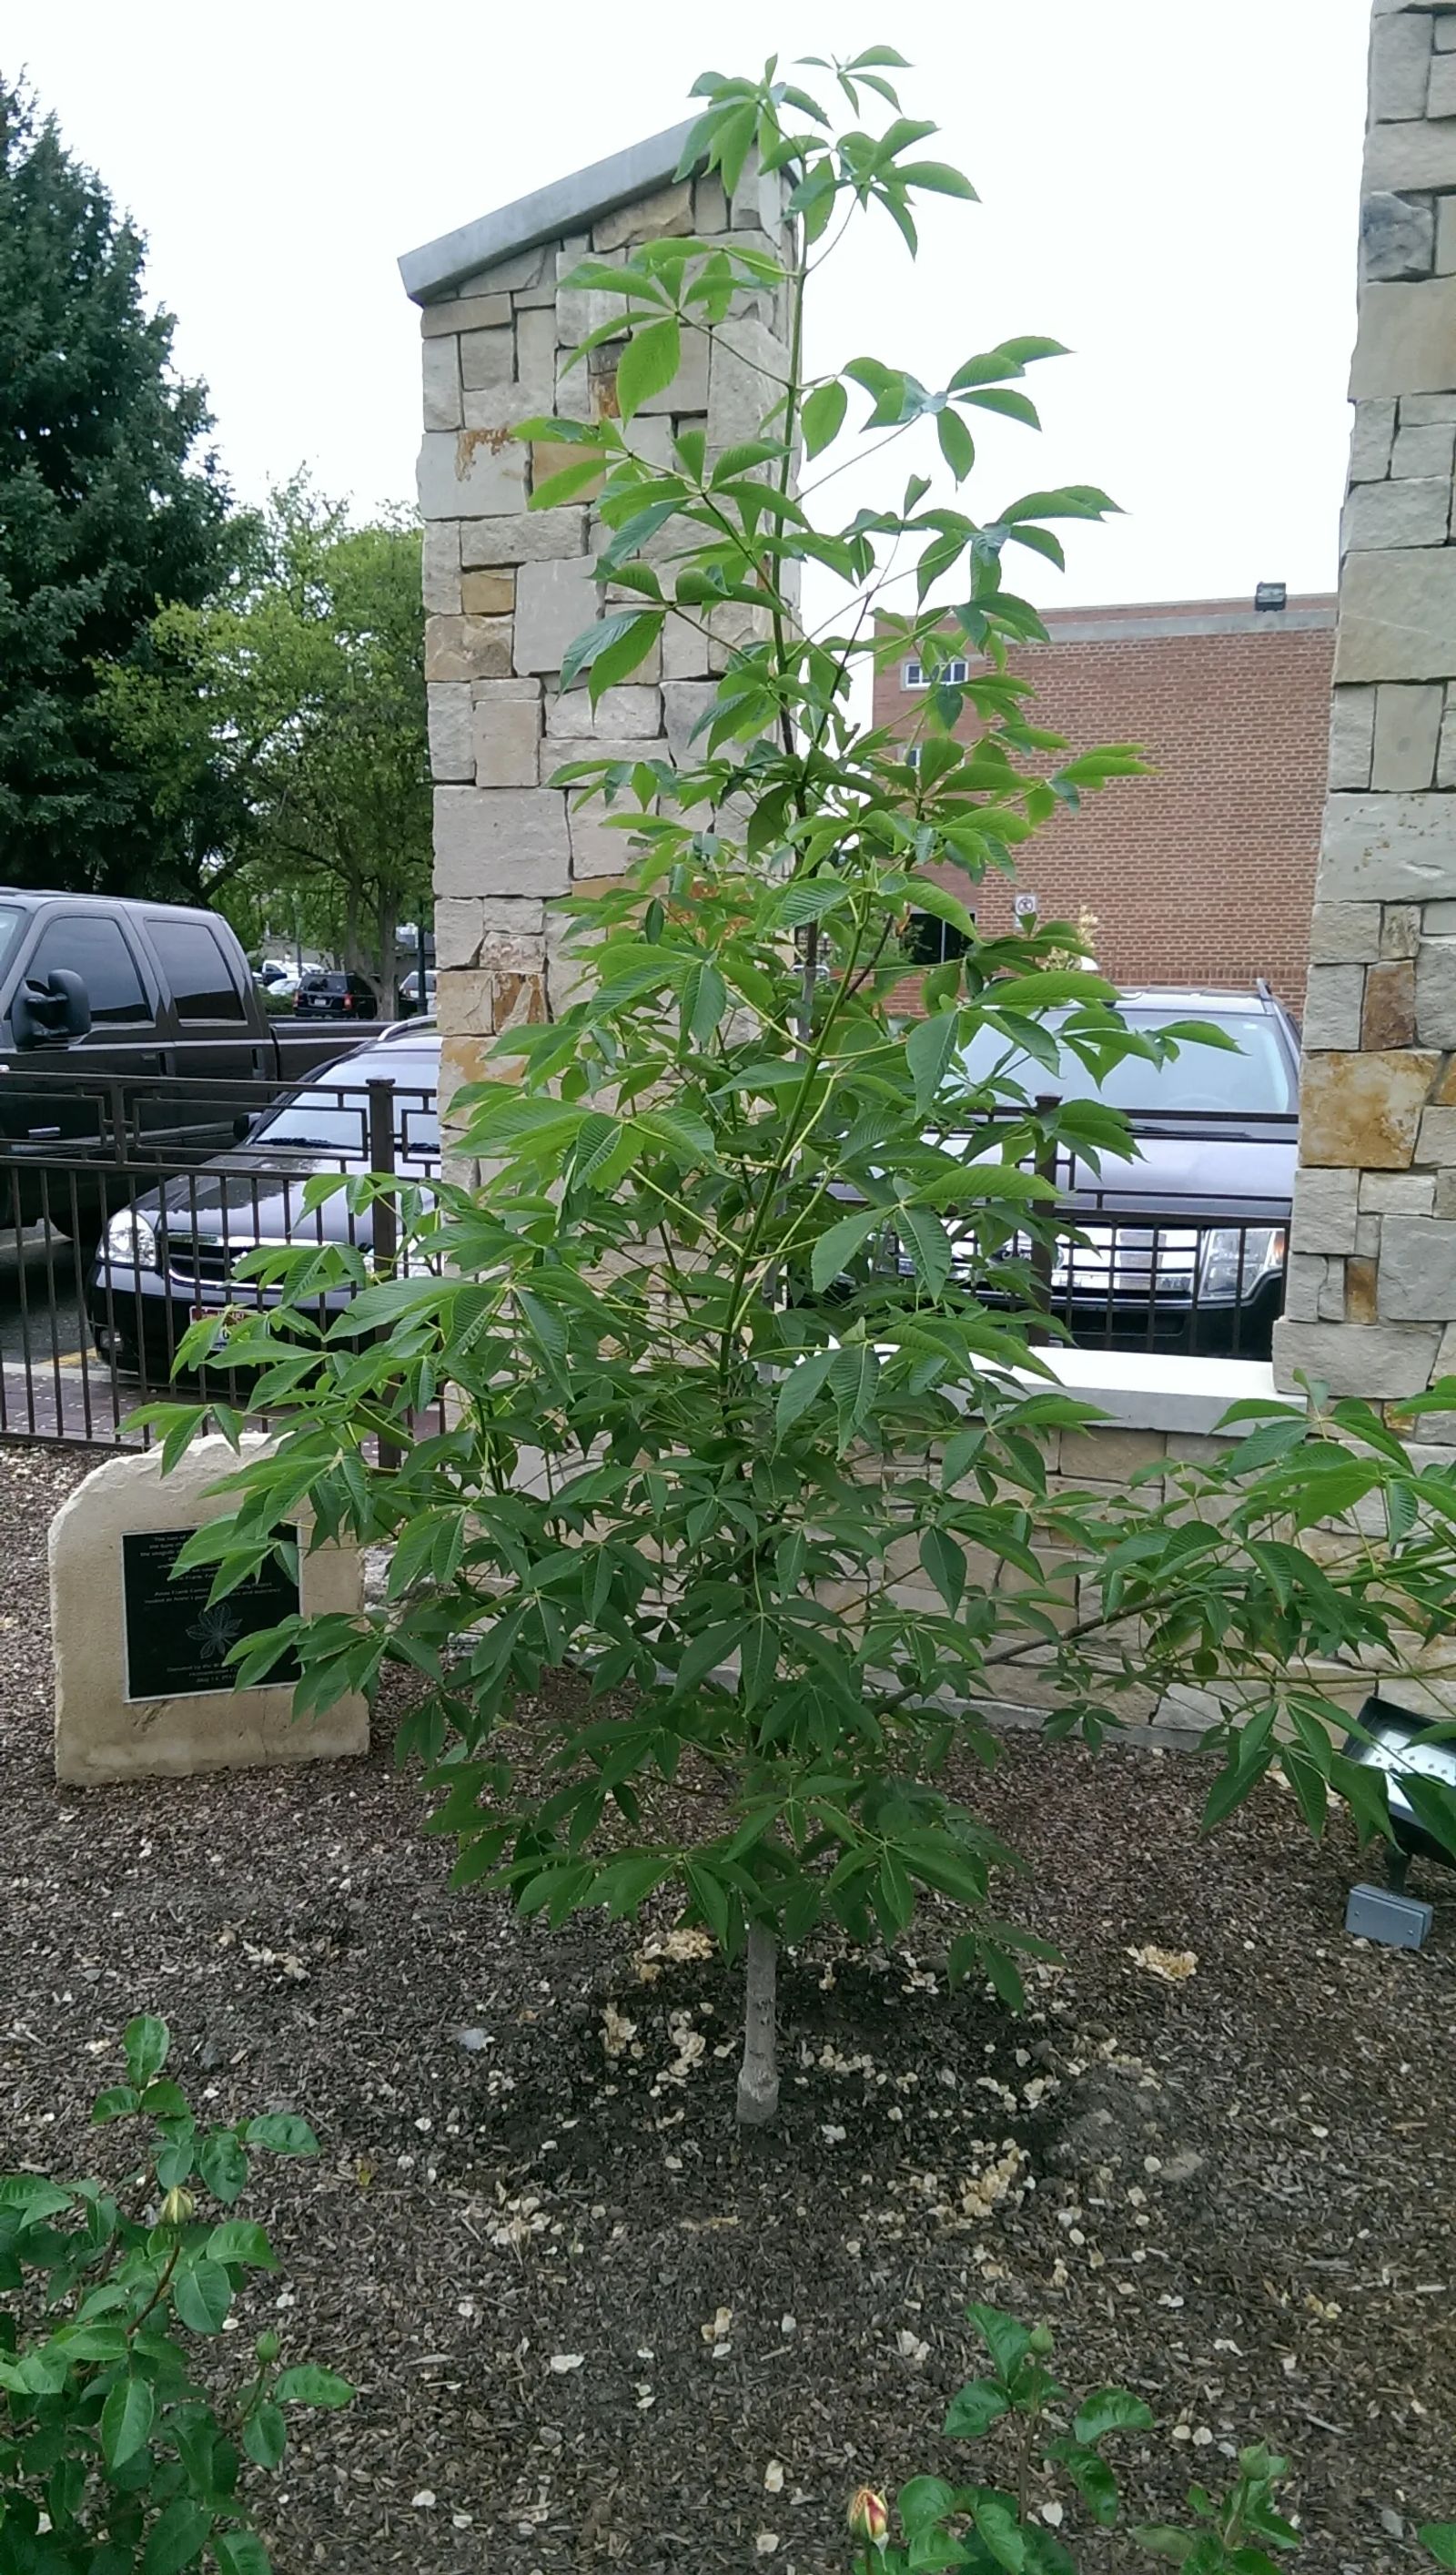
288, 716
107, 511
737, 1328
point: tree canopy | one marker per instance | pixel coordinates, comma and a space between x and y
283, 727
111, 507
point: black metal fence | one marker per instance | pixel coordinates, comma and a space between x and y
126, 1208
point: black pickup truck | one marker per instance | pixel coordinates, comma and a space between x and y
128, 1032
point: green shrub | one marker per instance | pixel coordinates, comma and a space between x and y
1041, 2432
113, 2456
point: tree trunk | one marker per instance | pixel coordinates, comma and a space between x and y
758, 2074
388, 936
351, 927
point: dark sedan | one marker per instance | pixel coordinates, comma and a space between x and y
171, 1258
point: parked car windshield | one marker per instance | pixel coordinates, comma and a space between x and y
334, 1118
1255, 1080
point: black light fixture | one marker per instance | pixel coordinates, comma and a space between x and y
1270, 595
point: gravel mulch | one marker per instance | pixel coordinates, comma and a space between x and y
590, 2326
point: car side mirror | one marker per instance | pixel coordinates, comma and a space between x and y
49, 1010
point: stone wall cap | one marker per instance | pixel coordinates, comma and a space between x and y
1152, 1390
570, 205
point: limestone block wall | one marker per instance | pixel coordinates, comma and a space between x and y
508, 590
1371, 1307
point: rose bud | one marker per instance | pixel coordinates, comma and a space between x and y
869, 2516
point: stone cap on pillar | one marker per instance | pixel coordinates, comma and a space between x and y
570, 205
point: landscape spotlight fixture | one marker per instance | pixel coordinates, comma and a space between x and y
1397, 1741
1271, 595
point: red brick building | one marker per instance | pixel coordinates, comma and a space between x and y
1204, 872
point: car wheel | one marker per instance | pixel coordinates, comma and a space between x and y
84, 1234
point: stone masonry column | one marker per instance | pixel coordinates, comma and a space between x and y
507, 589
1371, 1307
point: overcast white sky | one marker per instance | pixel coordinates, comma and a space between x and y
1170, 190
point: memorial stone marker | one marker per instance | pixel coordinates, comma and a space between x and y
143, 1682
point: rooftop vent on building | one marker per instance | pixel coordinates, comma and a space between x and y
1271, 595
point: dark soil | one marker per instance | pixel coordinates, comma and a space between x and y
591, 2325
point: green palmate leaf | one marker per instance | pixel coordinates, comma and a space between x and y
929, 1051
824, 417
804, 1382
938, 177
704, 1000
1440, 2538
566, 481
633, 632
836, 1247
944, 1562
648, 365
938, 898
853, 1379
929, 1246
1005, 400
812, 899
957, 444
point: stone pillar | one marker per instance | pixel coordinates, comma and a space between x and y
1371, 1307
507, 589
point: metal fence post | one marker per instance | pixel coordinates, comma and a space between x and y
1044, 1254
386, 1236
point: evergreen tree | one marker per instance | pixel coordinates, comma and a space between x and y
106, 514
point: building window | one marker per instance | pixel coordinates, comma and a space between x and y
917, 676
912, 755
929, 940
